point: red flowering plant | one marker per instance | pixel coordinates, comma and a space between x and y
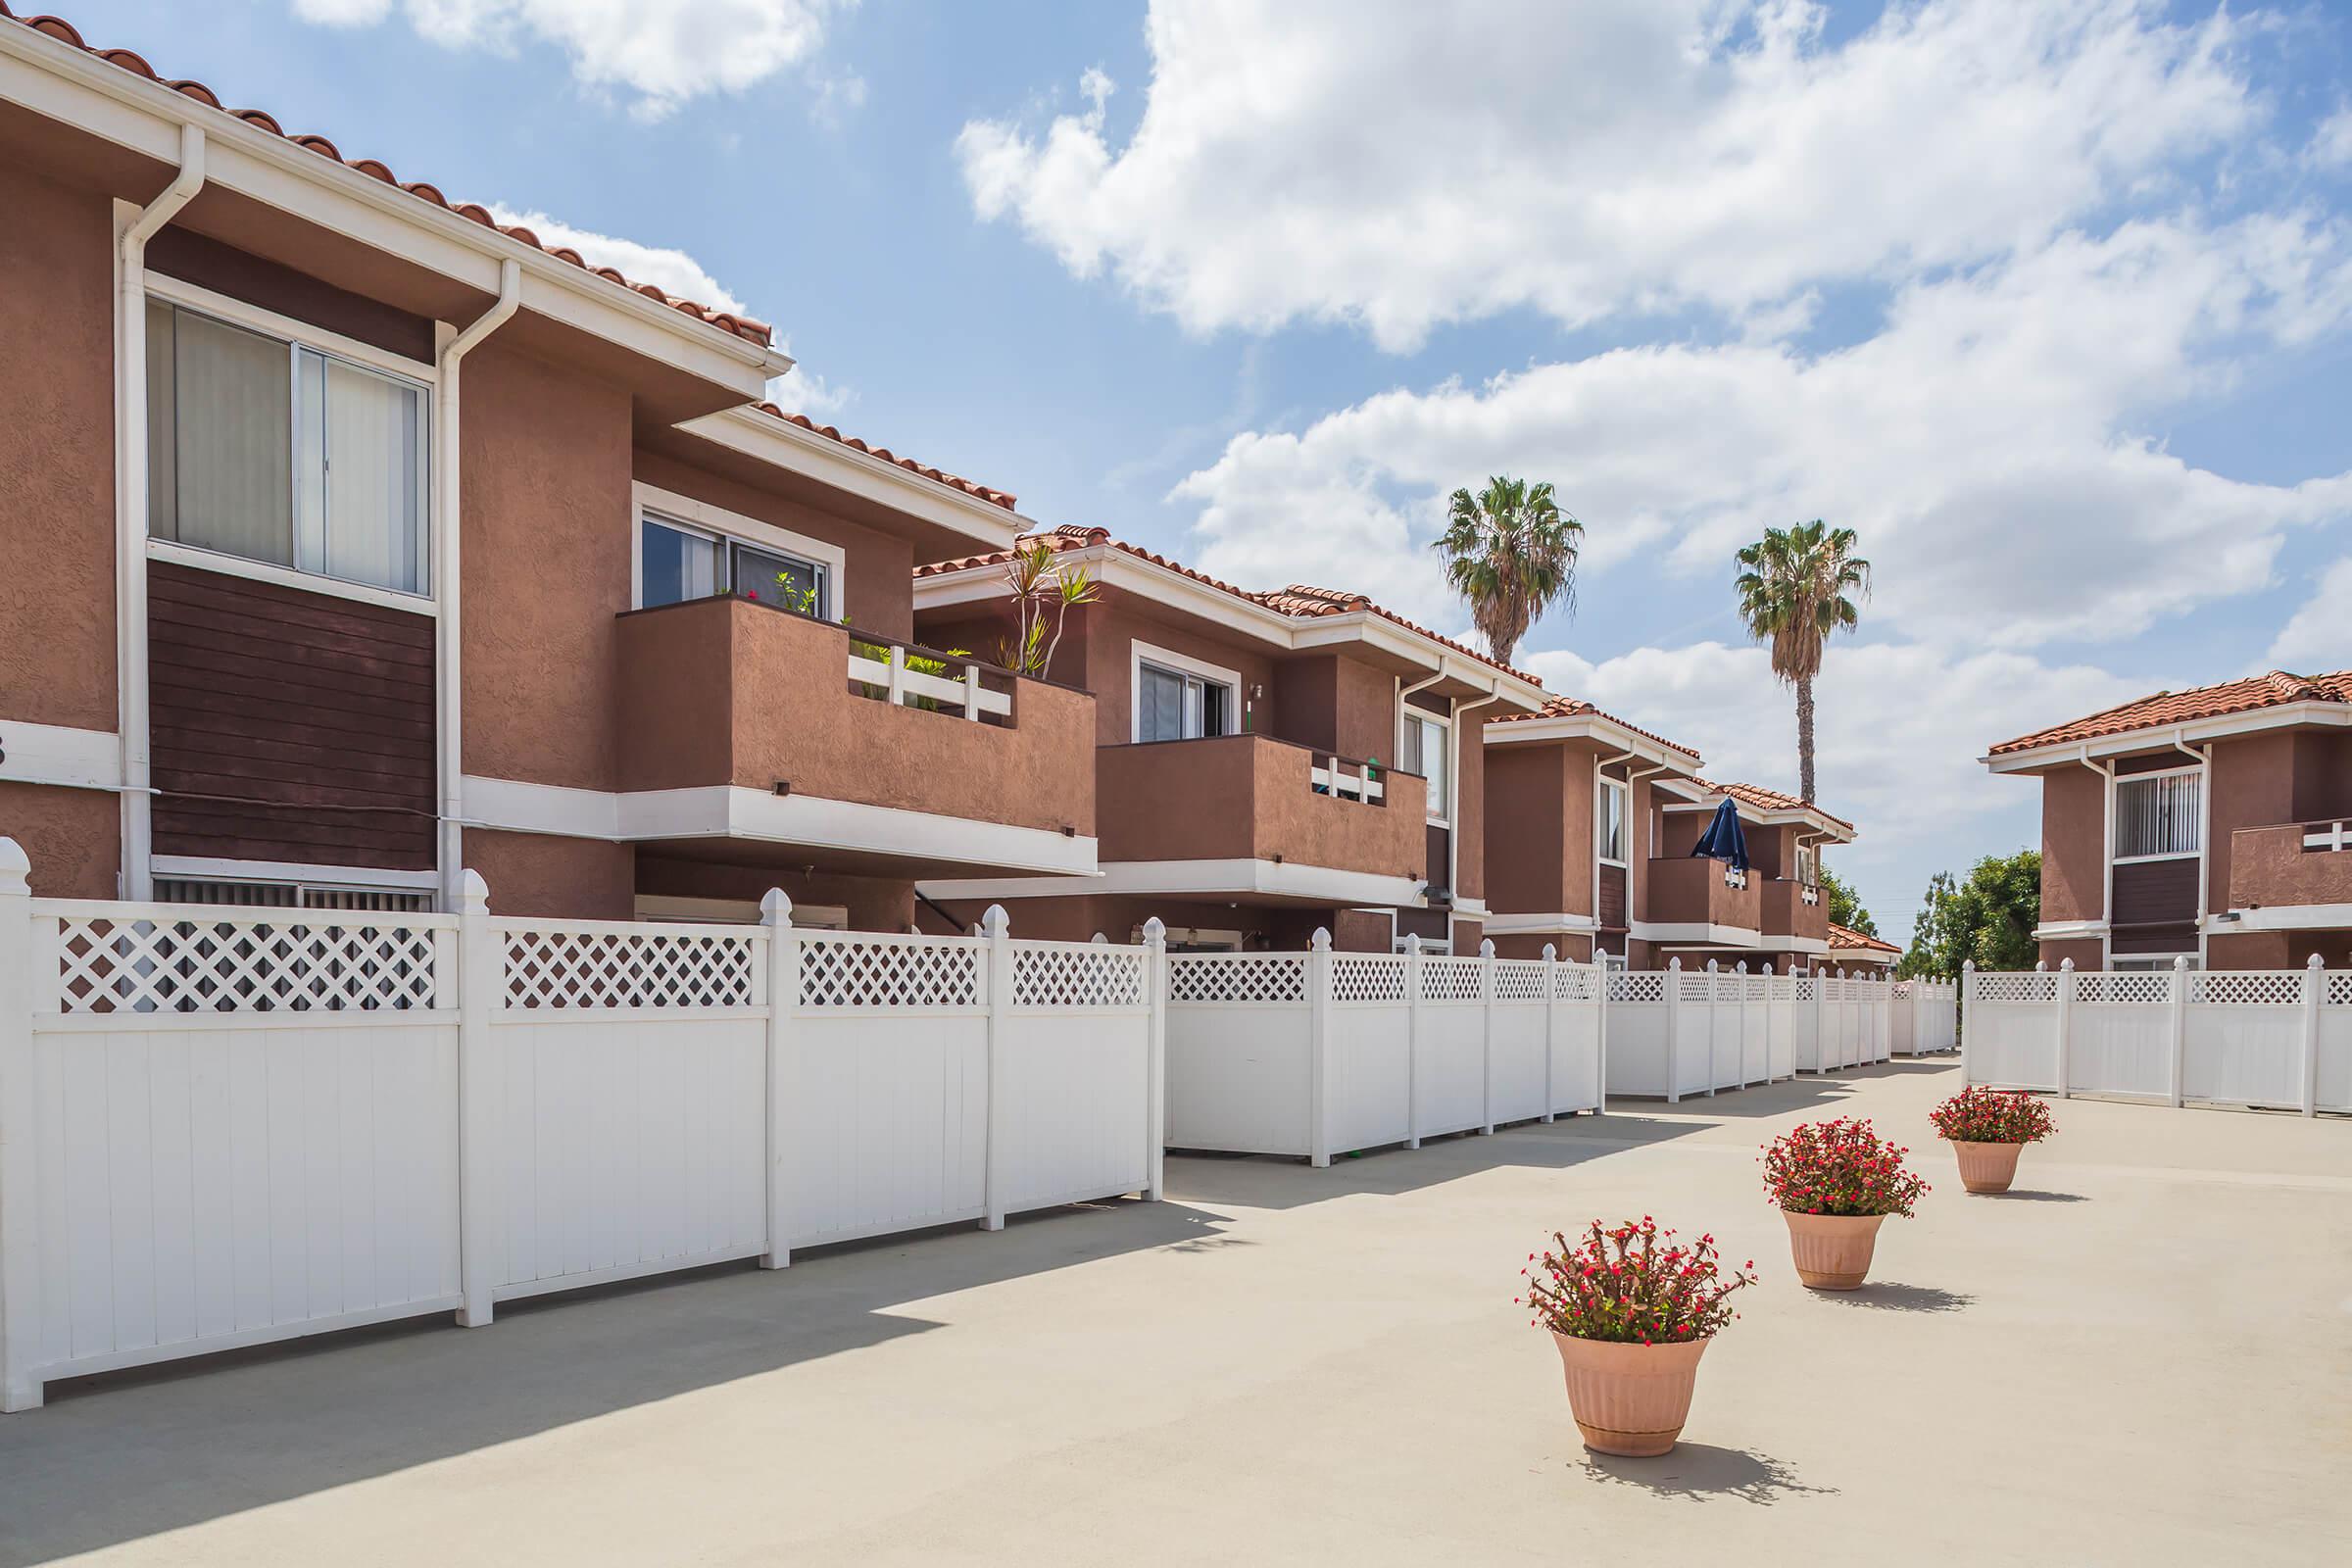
1839, 1167
1993, 1116
1632, 1284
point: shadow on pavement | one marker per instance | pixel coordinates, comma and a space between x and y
1889, 1296
2028, 1195
1700, 1472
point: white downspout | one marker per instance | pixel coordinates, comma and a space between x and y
2204, 759
1455, 708
130, 511
2106, 771
449, 580
1601, 767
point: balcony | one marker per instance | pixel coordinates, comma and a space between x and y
1787, 915
2290, 864
909, 761
1688, 892
1251, 800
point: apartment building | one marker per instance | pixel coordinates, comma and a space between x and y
290, 622
1604, 816
2213, 824
1265, 763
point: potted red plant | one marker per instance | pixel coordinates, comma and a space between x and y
1631, 1312
1988, 1129
1835, 1183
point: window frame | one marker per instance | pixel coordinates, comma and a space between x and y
1437, 812
1808, 865
686, 514
1141, 653
299, 336
1622, 791
2116, 814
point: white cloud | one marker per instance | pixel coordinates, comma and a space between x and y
800, 390
2331, 144
2319, 636
1983, 443
664, 267
662, 51
1444, 163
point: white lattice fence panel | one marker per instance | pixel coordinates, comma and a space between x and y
1636, 985
2016, 986
2340, 989
1804, 988
1076, 975
2123, 986
876, 971
223, 966
1700, 987
1449, 980
549, 967
2254, 988
1221, 977
1367, 979
1522, 979
1576, 982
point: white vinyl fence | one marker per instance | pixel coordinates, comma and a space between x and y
1675, 1031
2278, 1038
1320, 1053
224, 1126
1927, 1016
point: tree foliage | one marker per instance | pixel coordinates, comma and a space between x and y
1794, 589
1988, 919
1510, 552
1845, 905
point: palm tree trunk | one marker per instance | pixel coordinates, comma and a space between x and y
1805, 736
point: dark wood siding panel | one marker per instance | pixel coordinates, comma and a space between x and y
1612, 899
288, 725
2155, 893
1437, 868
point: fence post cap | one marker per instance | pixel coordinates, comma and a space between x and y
1155, 932
2042, 966
1100, 941
996, 921
1741, 966
1674, 963
1768, 966
1413, 945
776, 907
474, 894
1486, 948
1321, 940
1967, 966
15, 867
1551, 953
2180, 959
2065, 965
2315, 961
1711, 965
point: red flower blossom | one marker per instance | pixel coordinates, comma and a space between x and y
1619, 1285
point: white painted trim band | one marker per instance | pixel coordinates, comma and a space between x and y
53, 753
1242, 878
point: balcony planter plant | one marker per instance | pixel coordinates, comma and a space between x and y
1630, 1312
1988, 1129
1835, 1183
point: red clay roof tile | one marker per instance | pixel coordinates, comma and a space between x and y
1764, 799
1298, 600
1844, 938
742, 326
2272, 689
1001, 498
1578, 708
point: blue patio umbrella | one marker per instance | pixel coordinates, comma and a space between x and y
1723, 840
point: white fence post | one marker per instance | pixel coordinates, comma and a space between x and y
1674, 1030
1551, 1018
1486, 1037
2065, 1027
783, 998
996, 923
1714, 1023
1740, 1011
1600, 1033
1318, 1049
1968, 984
1412, 1041
20, 1169
480, 978
2315, 988
2180, 1022
1821, 1014
1155, 1088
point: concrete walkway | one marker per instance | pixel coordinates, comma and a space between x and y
2145, 1357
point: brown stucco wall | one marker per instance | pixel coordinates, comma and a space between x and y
2085, 952
2074, 846
1470, 807
539, 874
2323, 775
1113, 627
2253, 786
1531, 847
57, 487
2269, 867
547, 549
1248, 796
725, 690
877, 570
241, 276
871, 904
74, 838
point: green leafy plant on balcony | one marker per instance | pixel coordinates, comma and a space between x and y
803, 601
1044, 592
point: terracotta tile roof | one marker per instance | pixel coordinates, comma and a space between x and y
1844, 939
2272, 689
1002, 498
1764, 799
1299, 599
1578, 708
742, 326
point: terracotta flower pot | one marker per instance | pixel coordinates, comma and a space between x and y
1988, 1167
1833, 1251
1630, 1398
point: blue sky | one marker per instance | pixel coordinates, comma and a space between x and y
2053, 308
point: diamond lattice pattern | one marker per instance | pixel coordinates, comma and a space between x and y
240, 966
556, 968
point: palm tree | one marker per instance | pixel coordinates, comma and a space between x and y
1793, 594
1510, 550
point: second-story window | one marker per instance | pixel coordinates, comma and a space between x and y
274, 452
2159, 816
1610, 824
1176, 705
1423, 749
1808, 868
675, 562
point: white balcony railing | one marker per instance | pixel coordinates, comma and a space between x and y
2327, 835
1350, 780
896, 681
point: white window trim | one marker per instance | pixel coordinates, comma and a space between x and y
1204, 937
237, 312
2116, 783
669, 507
1607, 786
210, 869
1141, 653
269, 571
1439, 813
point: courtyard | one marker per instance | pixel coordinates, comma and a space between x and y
2139, 1356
